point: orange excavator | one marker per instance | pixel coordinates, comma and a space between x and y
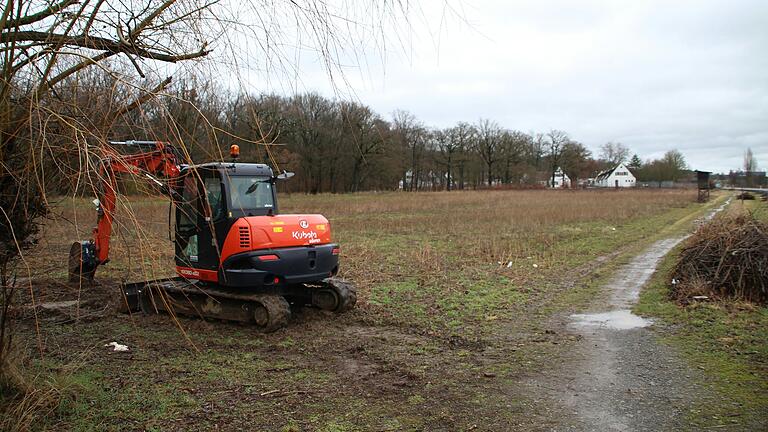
237, 258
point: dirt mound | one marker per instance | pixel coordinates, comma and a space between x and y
727, 257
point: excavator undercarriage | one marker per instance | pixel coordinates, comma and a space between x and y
268, 310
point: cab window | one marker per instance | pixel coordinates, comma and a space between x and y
215, 207
187, 220
251, 193
187, 208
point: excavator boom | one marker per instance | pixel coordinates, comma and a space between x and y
156, 159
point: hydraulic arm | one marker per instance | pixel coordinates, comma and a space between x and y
157, 159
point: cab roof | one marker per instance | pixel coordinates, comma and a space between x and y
237, 168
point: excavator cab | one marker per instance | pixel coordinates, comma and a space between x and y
228, 231
210, 198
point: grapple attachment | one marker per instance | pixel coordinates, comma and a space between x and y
82, 261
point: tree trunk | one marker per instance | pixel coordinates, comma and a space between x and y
490, 171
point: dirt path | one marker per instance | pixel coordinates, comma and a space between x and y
620, 378
623, 379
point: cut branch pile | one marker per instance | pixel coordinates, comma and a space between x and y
726, 258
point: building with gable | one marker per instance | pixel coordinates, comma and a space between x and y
618, 177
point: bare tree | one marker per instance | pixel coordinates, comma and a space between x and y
750, 164
365, 132
461, 135
44, 46
537, 150
672, 165
515, 146
407, 132
576, 161
451, 144
488, 144
555, 141
614, 153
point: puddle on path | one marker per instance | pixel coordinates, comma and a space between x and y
625, 289
626, 285
615, 320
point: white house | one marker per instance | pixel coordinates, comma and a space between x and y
561, 180
619, 176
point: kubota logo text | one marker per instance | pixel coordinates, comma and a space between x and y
304, 235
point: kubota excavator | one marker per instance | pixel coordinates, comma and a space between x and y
237, 258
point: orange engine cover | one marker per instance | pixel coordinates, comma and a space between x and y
271, 232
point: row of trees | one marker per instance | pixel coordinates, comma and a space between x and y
344, 146
671, 167
332, 145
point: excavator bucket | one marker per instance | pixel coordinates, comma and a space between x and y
82, 262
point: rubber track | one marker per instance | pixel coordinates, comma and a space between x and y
278, 310
346, 292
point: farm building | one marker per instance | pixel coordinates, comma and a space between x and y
561, 179
619, 176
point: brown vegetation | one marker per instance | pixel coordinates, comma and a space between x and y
468, 227
726, 258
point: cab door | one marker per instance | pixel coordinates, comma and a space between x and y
202, 220
213, 223
187, 222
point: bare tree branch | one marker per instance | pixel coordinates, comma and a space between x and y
39, 16
98, 43
79, 66
146, 97
149, 18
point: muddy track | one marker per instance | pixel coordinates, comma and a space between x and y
619, 377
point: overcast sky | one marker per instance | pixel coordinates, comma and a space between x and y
653, 75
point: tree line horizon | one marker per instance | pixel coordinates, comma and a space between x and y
338, 146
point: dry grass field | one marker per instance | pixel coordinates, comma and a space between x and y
456, 291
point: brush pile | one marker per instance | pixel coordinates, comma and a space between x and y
726, 258
745, 196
